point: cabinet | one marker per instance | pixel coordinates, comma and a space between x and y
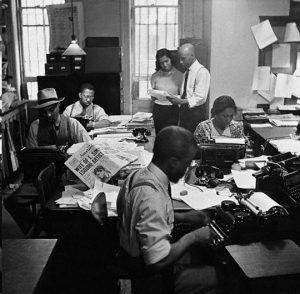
107, 89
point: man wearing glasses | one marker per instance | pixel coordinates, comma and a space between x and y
92, 116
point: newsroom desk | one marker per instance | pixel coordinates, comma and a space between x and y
262, 136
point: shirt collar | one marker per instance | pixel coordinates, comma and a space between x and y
81, 107
195, 65
159, 174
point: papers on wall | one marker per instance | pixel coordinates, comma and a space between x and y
287, 145
158, 94
261, 78
244, 179
281, 55
269, 94
97, 161
284, 85
60, 28
227, 140
297, 71
263, 34
296, 86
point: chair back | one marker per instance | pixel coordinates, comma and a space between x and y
47, 184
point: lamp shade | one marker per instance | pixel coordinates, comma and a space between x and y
74, 49
292, 33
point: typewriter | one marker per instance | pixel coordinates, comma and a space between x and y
221, 152
281, 178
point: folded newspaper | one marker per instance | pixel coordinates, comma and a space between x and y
98, 161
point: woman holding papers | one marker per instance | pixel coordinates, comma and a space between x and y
221, 123
166, 80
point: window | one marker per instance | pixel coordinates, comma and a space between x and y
34, 39
155, 26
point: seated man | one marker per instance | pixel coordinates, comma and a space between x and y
53, 128
146, 217
221, 123
87, 109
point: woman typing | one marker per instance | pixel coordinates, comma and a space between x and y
221, 123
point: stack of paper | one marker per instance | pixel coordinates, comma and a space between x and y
287, 145
284, 120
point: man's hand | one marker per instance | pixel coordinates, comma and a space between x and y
175, 99
205, 236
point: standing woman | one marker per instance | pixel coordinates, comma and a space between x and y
166, 78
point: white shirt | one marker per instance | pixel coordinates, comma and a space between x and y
93, 111
197, 85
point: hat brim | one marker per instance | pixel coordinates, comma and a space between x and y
43, 105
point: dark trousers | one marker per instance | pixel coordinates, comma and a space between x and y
189, 118
165, 115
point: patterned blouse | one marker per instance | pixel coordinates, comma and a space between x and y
205, 129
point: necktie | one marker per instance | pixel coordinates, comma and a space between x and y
53, 135
185, 84
169, 190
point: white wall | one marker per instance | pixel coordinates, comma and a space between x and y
234, 53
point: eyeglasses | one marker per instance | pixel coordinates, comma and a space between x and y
88, 96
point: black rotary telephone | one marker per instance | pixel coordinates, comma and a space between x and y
208, 175
140, 135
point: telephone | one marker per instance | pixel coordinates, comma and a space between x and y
208, 175
140, 135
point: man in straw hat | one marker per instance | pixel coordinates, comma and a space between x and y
52, 128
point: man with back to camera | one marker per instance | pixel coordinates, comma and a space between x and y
53, 128
194, 89
85, 107
146, 217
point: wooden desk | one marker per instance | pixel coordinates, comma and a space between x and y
23, 263
274, 132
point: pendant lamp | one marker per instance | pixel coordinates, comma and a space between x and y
73, 48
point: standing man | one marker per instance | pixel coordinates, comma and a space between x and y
52, 128
194, 89
146, 215
85, 108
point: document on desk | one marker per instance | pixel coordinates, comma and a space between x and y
228, 140
287, 145
197, 199
244, 179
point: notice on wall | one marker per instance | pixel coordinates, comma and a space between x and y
60, 24
261, 78
284, 85
281, 55
269, 94
263, 34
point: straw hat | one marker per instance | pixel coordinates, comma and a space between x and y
47, 97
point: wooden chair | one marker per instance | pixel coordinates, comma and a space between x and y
48, 191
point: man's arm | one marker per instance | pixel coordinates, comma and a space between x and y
196, 217
32, 134
100, 117
201, 89
203, 236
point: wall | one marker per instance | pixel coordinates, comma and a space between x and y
234, 53
102, 18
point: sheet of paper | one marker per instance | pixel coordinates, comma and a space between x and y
263, 201
261, 78
258, 126
263, 34
287, 145
281, 55
158, 94
269, 94
201, 200
284, 85
226, 140
297, 71
296, 86
244, 179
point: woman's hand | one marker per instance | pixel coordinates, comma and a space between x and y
175, 99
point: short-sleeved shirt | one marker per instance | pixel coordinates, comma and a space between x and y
93, 112
167, 81
70, 131
146, 215
206, 129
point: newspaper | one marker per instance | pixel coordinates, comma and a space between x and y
97, 161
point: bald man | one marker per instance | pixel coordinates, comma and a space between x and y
146, 216
194, 89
